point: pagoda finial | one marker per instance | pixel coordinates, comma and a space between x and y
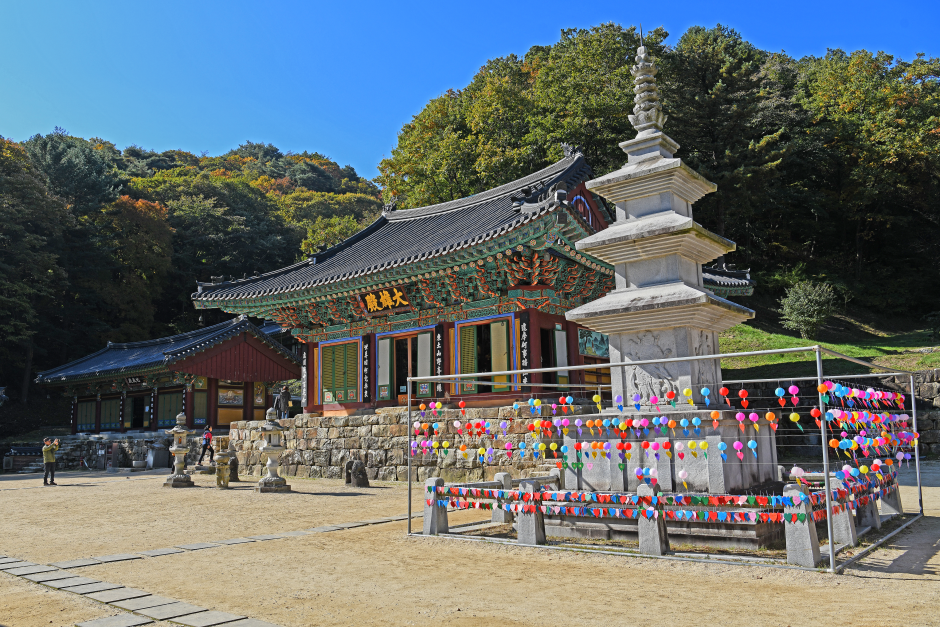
647, 110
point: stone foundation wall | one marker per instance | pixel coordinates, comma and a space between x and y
320, 446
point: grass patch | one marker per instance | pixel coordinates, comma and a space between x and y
896, 344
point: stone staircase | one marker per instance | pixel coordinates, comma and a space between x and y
33, 467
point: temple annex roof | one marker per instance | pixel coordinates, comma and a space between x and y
137, 357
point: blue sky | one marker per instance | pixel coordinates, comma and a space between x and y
341, 77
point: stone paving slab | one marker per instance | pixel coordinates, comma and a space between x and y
171, 611
7, 560
49, 576
270, 536
159, 552
119, 557
88, 588
142, 603
324, 529
30, 570
250, 622
294, 534
196, 546
75, 563
121, 620
71, 582
121, 594
207, 619
234, 541
10, 565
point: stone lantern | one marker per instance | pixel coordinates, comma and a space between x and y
179, 449
271, 448
222, 459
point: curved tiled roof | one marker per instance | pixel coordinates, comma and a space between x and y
724, 282
131, 357
406, 236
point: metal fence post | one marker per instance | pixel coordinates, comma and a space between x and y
920, 495
825, 453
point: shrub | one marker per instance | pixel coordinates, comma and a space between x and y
806, 307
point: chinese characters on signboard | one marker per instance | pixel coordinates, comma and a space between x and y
524, 346
366, 385
384, 300
439, 354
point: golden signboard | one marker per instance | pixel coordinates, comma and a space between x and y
390, 299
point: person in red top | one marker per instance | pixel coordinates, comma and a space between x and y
207, 446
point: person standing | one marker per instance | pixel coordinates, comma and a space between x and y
207, 445
48, 458
283, 403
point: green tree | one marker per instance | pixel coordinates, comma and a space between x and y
326, 232
806, 307
31, 280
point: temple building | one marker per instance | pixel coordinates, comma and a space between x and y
216, 375
479, 284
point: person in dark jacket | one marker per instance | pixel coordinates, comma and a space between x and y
283, 403
207, 445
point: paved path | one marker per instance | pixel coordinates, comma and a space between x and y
138, 607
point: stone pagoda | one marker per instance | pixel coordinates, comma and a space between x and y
659, 307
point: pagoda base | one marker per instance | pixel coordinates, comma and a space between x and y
737, 535
276, 484
178, 481
706, 471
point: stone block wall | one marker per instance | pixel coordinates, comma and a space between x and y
320, 446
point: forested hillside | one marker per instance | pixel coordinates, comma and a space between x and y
99, 244
827, 168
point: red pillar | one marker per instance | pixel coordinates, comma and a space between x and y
189, 402
574, 357
248, 406
212, 407
312, 391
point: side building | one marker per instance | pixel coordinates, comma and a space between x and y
479, 284
216, 375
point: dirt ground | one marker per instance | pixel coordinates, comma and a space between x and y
376, 575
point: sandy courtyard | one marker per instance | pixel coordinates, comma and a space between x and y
375, 575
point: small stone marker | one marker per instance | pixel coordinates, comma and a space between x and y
866, 515
121, 620
891, 502
356, 474
651, 531
843, 525
222, 469
802, 541
530, 526
435, 516
501, 515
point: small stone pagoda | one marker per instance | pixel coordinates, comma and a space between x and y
661, 309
